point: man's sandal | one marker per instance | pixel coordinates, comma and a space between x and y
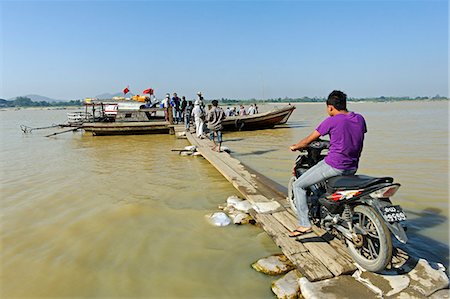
297, 233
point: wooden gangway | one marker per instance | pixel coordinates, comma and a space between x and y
316, 256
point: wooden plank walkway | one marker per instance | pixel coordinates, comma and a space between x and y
315, 257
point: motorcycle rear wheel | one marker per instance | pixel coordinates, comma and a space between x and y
374, 250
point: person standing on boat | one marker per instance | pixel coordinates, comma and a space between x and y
166, 105
200, 100
215, 117
176, 101
251, 110
183, 106
242, 111
199, 115
187, 115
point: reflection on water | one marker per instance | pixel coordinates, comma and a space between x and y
123, 216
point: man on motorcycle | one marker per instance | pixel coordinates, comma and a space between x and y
346, 130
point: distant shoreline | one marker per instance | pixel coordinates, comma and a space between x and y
230, 102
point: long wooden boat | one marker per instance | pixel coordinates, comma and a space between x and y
131, 122
258, 121
110, 119
127, 128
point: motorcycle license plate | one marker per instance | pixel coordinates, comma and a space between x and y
393, 213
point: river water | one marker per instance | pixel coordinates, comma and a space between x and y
123, 216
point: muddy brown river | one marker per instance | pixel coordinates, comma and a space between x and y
123, 216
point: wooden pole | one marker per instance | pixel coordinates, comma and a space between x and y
170, 113
57, 133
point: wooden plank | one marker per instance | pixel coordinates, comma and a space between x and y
255, 179
290, 222
280, 234
241, 181
320, 248
307, 264
310, 267
335, 243
235, 172
338, 262
287, 219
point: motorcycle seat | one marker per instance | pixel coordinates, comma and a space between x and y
356, 181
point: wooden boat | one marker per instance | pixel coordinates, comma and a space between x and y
106, 118
131, 122
121, 118
127, 128
258, 121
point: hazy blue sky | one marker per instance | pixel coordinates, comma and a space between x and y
234, 49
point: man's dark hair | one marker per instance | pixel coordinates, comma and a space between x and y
215, 103
338, 100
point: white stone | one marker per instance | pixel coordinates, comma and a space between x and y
219, 219
232, 200
386, 285
222, 207
191, 148
341, 287
225, 148
426, 280
181, 134
266, 207
243, 206
408, 294
229, 209
442, 294
241, 218
273, 265
287, 287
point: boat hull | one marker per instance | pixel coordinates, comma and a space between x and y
258, 121
139, 122
127, 128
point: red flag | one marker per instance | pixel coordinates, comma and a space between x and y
125, 90
149, 91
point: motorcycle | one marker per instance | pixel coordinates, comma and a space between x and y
356, 209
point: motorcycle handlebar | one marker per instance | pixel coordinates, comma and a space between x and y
319, 144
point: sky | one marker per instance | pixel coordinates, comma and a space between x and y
226, 49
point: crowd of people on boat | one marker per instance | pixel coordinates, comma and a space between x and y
241, 111
182, 108
195, 114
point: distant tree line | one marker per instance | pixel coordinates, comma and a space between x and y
321, 100
27, 102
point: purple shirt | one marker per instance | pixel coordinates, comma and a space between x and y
346, 139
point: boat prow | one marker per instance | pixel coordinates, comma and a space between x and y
259, 121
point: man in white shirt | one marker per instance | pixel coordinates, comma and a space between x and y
199, 115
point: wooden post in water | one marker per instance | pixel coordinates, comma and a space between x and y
170, 114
